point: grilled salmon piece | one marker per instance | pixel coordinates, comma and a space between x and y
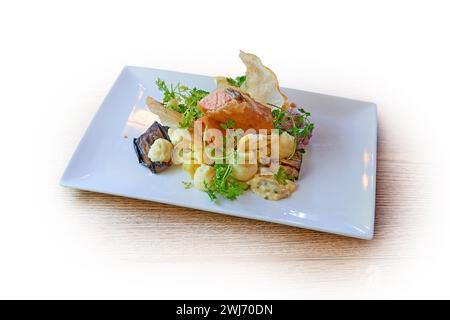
228, 104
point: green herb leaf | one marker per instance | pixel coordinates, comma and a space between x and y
169, 94
187, 184
300, 126
237, 82
183, 100
224, 184
295, 131
304, 112
228, 125
210, 192
190, 114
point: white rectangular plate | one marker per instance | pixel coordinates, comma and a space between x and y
336, 190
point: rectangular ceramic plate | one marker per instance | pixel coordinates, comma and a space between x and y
336, 190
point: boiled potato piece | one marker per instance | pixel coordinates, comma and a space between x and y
190, 163
244, 172
178, 135
258, 144
287, 145
190, 168
203, 174
245, 166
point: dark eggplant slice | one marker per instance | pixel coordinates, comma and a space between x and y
293, 165
143, 144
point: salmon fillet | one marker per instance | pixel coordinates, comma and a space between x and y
228, 104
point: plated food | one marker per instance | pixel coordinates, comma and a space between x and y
243, 136
337, 183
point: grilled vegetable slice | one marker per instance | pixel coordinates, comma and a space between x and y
293, 165
143, 144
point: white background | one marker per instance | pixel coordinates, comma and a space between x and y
59, 58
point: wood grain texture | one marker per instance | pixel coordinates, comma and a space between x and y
148, 232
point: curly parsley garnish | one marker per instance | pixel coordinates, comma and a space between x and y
299, 124
237, 82
224, 184
183, 100
210, 192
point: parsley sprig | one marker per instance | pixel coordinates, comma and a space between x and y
237, 82
183, 100
224, 184
301, 126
